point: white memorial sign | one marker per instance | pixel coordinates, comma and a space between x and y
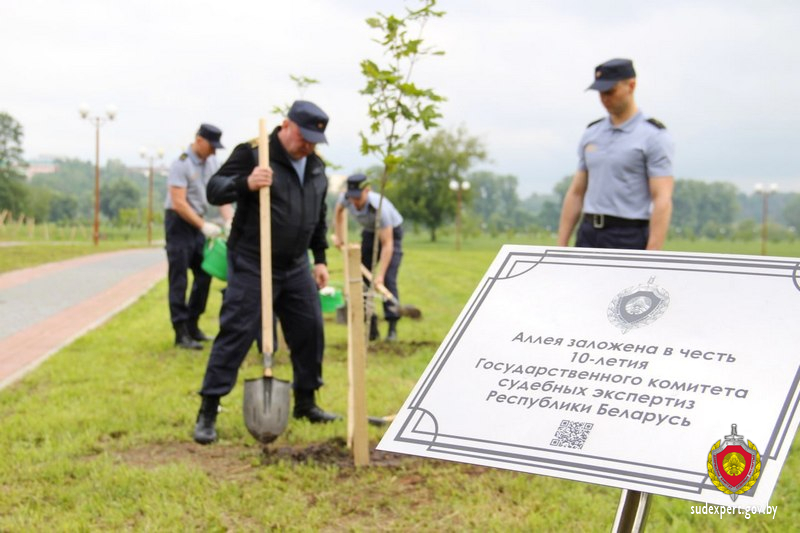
668, 373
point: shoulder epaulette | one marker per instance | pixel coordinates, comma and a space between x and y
183, 156
593, 123
253, 142
657, 123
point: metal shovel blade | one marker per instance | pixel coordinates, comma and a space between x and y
266, 407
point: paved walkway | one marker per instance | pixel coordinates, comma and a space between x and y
44, 308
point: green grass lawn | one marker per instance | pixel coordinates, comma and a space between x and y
21, 248
33, 254
99, 436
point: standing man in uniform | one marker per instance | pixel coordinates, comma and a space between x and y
186, 231
298, 186
362, 203
622, 190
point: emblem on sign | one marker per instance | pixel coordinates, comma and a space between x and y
734, 466
638, 306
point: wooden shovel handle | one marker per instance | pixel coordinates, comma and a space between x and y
380, 286
265, 227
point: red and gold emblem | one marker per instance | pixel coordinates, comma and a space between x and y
734, 466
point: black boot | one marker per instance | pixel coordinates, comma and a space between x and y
306, 407
373, 328
183, 339
204, 430
391, 335
195, 332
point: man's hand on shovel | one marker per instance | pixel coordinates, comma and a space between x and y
404, 310
260, 177
266, 400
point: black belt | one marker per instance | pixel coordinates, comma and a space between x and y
608, 221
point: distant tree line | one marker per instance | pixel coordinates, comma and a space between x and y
12, 164
67, 195
492, 205
420, 190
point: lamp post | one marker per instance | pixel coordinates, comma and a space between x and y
151, 160
765, 192
97, 121
458, 186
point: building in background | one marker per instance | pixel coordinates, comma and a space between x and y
44, 164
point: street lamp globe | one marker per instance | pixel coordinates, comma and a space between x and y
465, 185
453, 185
97, 121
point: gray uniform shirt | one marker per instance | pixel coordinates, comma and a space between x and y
620, 160
390, 216
188, 172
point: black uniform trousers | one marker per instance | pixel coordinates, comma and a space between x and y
184, 253
295, 303
390, 278
628, 238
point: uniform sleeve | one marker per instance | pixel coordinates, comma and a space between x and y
390, 216
581, 152
387, 215
177, 176
660, 154
229, 183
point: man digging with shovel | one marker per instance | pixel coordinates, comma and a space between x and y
298, 186
362, 203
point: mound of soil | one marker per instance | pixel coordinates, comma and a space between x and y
224, 461
332, 451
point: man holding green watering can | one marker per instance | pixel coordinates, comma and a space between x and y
186, 230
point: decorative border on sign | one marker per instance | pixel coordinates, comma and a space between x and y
421, 427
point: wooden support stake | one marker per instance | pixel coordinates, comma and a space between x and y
357, 436
345, 245
348, 303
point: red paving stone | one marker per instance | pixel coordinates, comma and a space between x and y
23, 351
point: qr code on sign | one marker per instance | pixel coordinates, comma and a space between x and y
572, 434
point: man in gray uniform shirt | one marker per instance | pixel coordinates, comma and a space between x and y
622, 190
363, 203
186, 231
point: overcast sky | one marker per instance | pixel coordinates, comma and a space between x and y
723, 75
